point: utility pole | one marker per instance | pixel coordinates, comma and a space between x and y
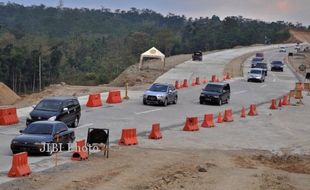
40, 74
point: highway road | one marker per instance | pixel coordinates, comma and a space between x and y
132, 114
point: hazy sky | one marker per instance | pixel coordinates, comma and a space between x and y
267, 10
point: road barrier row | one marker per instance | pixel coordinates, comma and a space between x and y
8, 115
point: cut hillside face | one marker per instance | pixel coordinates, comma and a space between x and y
299, 36
7, 96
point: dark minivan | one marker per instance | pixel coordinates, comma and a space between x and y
59, 108
215, 92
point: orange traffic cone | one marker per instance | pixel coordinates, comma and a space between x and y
219, 118
252, 111
285, 101
208, 121
243, 112
280, 103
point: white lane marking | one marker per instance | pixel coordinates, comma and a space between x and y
148, 111
240, 92
264, 85
85, 125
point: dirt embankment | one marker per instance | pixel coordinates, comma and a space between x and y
7, 96
299, 36
235, 66
135, 168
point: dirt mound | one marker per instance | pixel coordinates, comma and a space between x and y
299, 36
7, 96
151, 71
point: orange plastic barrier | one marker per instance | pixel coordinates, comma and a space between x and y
285, 101
191, 124
307, 86
114, 97
184, 85
155, 133
193, 83
208, 121
228, 76
20, 165
252, 111
205, 81
177, 86
228, 117
81, 152
273, 105
219, 118
243, 112
299, 86
8, 115
213, 79
217, 80
94, 100
129, 137
197, 81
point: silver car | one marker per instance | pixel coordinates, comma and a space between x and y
162, 94
256, 74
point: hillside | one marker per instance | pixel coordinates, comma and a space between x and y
300, 36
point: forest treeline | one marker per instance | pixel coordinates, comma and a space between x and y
93, 46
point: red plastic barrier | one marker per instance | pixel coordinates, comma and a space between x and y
243, 112
228, 117
177, 86
191, 124
20, 165
81, 152
213, 79
273, 105
184, 85
155, 133
197, 81
252, 111
285, 101
8, 115
129, 137
220, 118
208, 121
94, 100
114, 97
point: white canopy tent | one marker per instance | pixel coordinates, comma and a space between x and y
152, 53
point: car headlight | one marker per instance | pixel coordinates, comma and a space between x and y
52, 118
202, 95
160, 97
215, 96
14, 142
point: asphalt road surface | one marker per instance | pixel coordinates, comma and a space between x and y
133, 114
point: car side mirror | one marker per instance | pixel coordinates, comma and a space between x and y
65, 109
170, 91
21, 131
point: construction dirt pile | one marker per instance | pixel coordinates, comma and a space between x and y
7, 96
299, 36
150, 72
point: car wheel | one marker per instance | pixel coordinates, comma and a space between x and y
175, 100
201, 102
76, 122
144, 102
165, 103
249, 80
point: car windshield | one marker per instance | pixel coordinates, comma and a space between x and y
260, 65
256, 72
259, 55
49, 105
256, 59
159, 88
213, 88
39, 129
277, 63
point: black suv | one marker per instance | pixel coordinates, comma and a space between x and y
197, 56
215, 92
59, 108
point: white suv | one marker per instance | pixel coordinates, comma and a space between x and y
256, 74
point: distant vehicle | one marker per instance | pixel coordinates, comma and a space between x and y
215, 93
298, 47
277, 66
282, 49
38, 136
263, 66
255, 60
256, 74
260, 55
197, 56
59, 108
162, 94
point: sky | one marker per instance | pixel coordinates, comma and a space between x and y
266, 10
